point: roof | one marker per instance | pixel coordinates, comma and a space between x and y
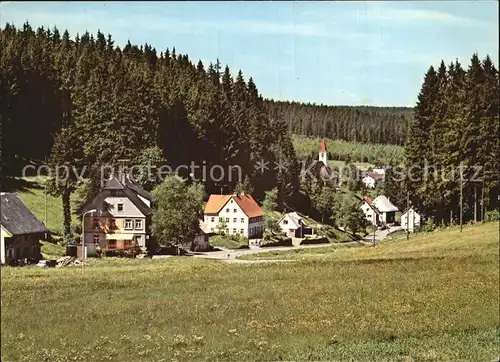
370, 203
245, 202
412, 210
295, 217
17, 219
383, 204
323, 146
122, 189
376, 176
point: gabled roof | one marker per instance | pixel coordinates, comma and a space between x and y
17, 219
383, 204
369, 201
376, 176
121, 189
245, 202
295, 218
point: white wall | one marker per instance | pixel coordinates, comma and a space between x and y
370, 215
287, 227
2, 246
129, 209
413, 222
369, 182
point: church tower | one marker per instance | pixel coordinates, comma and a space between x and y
323, 153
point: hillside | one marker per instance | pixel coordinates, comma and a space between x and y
368, 124
433, 298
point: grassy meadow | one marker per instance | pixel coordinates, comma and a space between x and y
364, 155
434, 298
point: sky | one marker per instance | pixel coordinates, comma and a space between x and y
335, 53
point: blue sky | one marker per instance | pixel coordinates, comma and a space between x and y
351, 53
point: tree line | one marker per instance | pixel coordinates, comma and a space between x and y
367, 124
456, 127
87, 102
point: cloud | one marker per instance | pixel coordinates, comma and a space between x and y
381, 13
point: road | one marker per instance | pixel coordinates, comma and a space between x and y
381, 234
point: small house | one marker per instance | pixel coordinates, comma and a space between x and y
293, 225
386, 208
372, 179
372, 214
410, 220
21, 231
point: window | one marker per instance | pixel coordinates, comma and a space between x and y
212, 219
234, 231
112, 244
242, 220
241, 231
120, 207
128, 224
235, 220
138, 224
285, 222
227, 219
127, 244
96, 239
234, 210
227, 210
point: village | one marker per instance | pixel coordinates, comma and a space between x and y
117, 222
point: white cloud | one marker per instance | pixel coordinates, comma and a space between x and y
384, 13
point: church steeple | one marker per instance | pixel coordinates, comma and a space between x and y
323, 153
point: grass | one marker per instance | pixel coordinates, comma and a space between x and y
434, 298
34, 198
227, 242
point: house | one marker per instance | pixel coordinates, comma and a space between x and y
122, 219
293, 225
372, 214
200, 241
410, 220
21, 231
321, 169
240, 213
372, 179
386, 208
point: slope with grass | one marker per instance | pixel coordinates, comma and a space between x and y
434, 298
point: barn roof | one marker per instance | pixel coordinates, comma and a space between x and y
17, 219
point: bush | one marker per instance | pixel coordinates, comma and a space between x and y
429, 225
492, 215
123, 253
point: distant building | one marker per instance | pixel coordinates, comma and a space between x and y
321, 169
410, 220
21, 231
241, 214
372, 179
380, 211
386, 208
293, 225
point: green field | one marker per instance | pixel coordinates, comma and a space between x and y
34, 198
432, 298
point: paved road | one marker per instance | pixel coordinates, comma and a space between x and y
231, 255
381, 234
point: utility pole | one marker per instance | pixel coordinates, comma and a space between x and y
482, 201
408, 215
45, 198
461, 196
475, 203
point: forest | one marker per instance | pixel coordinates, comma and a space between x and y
87, 102
456, 126
386, 125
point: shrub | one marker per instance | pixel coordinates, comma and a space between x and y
492, 215
429, 225
123, 253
